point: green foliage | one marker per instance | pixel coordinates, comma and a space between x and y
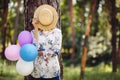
99, 45
100, 72
12, 16
8, 71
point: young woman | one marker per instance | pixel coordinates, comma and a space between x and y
47, 38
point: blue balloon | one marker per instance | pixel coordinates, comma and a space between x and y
28, 52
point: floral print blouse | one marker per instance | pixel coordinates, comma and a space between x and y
49, 42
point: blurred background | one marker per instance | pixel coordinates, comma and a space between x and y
91, 38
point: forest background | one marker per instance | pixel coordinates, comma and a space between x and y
91, 38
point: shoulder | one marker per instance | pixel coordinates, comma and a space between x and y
57, 30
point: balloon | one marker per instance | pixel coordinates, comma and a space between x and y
12, 52
24, 68
25, 37
28, 52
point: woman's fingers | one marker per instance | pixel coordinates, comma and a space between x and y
35, 21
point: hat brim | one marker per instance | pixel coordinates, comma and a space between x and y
55, 18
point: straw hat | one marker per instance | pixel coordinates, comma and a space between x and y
47, 16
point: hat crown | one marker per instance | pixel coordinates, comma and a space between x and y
45, 16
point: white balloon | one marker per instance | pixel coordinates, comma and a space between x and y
24, 68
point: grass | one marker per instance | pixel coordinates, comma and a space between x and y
71, 73
100, 72
8, 71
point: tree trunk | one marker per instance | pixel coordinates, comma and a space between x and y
113, 21
118, 50
96, 19
4, 26
84, 54
72, 32
16, 23
29, 8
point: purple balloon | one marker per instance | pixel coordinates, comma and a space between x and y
25, 37
12, 52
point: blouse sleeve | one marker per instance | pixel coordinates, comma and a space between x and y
56, 47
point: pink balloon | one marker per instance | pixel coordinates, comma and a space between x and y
12, 52
25, 37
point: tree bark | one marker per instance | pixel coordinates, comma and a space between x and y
16, 23
29, 8
4, 26
87, 33
96, 19
113, 21
118, 50
72, 31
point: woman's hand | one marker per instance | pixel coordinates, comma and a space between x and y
34, 22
